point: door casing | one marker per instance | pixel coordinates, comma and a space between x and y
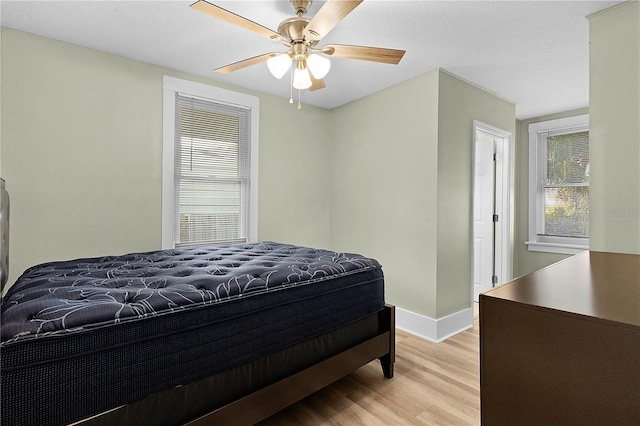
502, 206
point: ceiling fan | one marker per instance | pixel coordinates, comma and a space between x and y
301, 35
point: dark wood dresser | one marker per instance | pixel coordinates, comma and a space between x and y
561, 346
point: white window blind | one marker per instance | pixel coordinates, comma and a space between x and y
566, 185
211, 172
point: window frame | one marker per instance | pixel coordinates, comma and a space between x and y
172, 86
537, 170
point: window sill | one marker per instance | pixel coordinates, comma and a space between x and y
555, 247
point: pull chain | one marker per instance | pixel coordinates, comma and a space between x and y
299, 98
291, 86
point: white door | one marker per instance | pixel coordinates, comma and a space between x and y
483, 211
491, 236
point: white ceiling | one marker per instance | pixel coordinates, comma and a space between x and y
534, 53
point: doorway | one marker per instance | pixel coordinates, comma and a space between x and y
491, 207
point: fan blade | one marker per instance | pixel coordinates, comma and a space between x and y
329, 15
364, 53
230, 17
245, 63
316, 83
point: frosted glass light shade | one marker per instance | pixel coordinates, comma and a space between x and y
318, 65
278, 65
301, 78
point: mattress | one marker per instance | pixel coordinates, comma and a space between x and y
83, 336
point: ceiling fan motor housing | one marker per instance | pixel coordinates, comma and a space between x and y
293, 28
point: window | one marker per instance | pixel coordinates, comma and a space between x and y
559, 185
209, 165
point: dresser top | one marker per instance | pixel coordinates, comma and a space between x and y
597, 284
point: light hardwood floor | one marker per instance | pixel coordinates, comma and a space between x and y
434, 384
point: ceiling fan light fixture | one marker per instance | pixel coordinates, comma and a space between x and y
301, 77
318, 65
279, 65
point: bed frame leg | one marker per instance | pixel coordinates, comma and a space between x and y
387, 366
388, 323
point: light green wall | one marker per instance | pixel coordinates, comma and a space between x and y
384, 186
402, 185
82, 154
614, 95
525, 261
460, 102
82, 151
294, 173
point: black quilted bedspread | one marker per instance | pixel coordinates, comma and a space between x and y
62, 297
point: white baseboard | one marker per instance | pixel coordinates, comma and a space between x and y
435, 330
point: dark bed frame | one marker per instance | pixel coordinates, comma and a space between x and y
267, 401
258, 404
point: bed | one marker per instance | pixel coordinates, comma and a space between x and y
226, 334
